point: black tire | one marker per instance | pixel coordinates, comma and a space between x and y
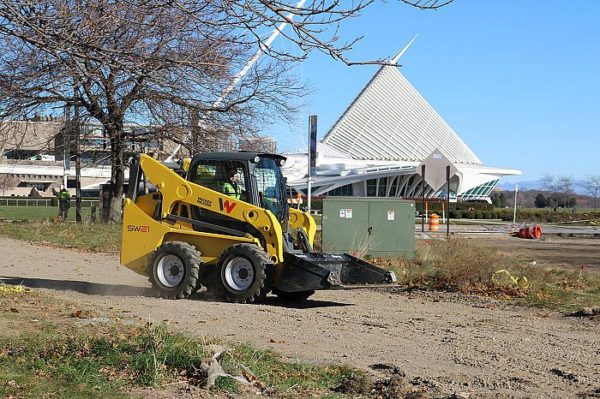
175, 284
298, 296
246, 264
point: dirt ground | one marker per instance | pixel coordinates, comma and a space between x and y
569, 252
446, 343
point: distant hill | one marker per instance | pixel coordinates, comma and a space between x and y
578, 186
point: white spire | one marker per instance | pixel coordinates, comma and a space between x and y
401, 52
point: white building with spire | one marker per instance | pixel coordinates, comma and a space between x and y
378, 144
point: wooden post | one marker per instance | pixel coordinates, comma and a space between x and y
312, 157
443, 212
423, 198
448, 199
77, 132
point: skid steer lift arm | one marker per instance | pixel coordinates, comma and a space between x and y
175, 190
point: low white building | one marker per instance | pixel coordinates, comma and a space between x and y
19, 178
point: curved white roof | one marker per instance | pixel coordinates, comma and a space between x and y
390, 120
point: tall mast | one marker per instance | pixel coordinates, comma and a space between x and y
401, 52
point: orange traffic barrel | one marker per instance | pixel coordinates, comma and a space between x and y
534, 232
523, 232
434, 222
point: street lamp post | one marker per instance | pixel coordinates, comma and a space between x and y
515, 206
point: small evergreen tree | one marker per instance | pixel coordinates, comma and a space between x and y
541, 201
498, 199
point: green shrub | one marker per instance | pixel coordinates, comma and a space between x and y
505, 216
456, 214
472, 205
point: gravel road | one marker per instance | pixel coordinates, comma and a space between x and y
446, 343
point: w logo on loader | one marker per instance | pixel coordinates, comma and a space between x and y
227, 205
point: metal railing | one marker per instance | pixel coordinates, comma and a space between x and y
85, 203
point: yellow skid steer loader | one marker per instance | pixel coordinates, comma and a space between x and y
223, 222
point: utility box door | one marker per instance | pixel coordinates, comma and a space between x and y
372, 226
391, 225
352, 218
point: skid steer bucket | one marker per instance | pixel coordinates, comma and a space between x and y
315, 271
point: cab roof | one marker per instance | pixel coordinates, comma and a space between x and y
242, 156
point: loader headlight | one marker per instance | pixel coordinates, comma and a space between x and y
256, 159
281, 162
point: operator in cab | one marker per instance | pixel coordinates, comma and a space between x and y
231, 186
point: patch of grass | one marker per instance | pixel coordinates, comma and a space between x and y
227, 384
459, 265
284, 376
22, 384
108, 360
40, 212
63, 358
559, 210
87, 236
564, 290
93, 362
32, 346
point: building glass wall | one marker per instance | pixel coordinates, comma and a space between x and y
481, 192
410, 186
343, 191
371, 187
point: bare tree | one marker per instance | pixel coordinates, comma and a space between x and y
3, 137
7, 182
592, 186
157, 61
314, 24
122, 60
560, 188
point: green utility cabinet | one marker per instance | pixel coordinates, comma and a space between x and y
374, 226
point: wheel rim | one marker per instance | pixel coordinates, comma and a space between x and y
170, 271
239, 273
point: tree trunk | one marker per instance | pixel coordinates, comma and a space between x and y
114, 129
77, 134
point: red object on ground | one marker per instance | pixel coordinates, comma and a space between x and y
534, 232
523, 232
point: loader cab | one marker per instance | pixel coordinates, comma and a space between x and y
257, 175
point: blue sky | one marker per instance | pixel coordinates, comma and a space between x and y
518, 80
